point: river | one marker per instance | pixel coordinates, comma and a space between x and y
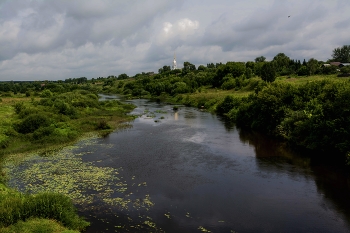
189, 171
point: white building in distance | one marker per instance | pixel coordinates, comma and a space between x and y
174, 62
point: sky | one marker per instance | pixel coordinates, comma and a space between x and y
61, 39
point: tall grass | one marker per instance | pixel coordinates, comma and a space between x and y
37, 225
15, 208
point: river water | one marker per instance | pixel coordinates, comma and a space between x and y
200, 174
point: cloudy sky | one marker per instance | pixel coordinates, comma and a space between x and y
59, 39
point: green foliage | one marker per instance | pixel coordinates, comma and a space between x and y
122, 76
248, 72
345, 70
329, 70
236, 69
268, 72
281, 63
102, 124
19, 106
228, 104
315, 116
46, 93
32, 123
303, 71
341, 54
228, 84
15, 208
312, 66
260, 59
37, 225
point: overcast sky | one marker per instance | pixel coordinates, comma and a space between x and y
60, 39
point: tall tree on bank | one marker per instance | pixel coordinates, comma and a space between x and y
312, 66
260, 59
341, 54
268, 72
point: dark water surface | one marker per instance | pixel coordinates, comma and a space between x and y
204, 175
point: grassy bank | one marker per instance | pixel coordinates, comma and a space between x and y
42, 124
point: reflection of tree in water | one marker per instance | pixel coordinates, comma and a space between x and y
334, 184
332, 181
229, 124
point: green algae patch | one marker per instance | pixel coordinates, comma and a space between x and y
90, 187
65, 172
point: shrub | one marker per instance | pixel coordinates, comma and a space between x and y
32, 123
19, 106
229, 84
227, 104
43, 132
64, 108
268, 72
102, 124
46, 94
4, 143
303, 71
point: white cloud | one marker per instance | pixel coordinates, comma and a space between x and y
181, 30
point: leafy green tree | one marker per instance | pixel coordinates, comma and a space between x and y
303, 71
248, 73
268, 72
282, 63
345, 70
329, 70
342, 54
260, 59
123, 76
250, 64
312, 66
188, 67
236, 69
46, 93
211, 65
202, 68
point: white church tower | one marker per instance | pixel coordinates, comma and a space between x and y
174, 62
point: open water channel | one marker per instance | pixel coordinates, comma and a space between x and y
188, 171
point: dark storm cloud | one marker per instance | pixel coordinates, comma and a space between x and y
70, 38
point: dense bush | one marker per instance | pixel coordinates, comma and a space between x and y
33, 122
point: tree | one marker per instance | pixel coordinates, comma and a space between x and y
282, 63
303, 71
202, 68
260, 59
268, 72
250, 64
342, 54
312, 66
123, 76
189, 66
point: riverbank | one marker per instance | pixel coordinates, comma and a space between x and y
41, 125
309, 113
